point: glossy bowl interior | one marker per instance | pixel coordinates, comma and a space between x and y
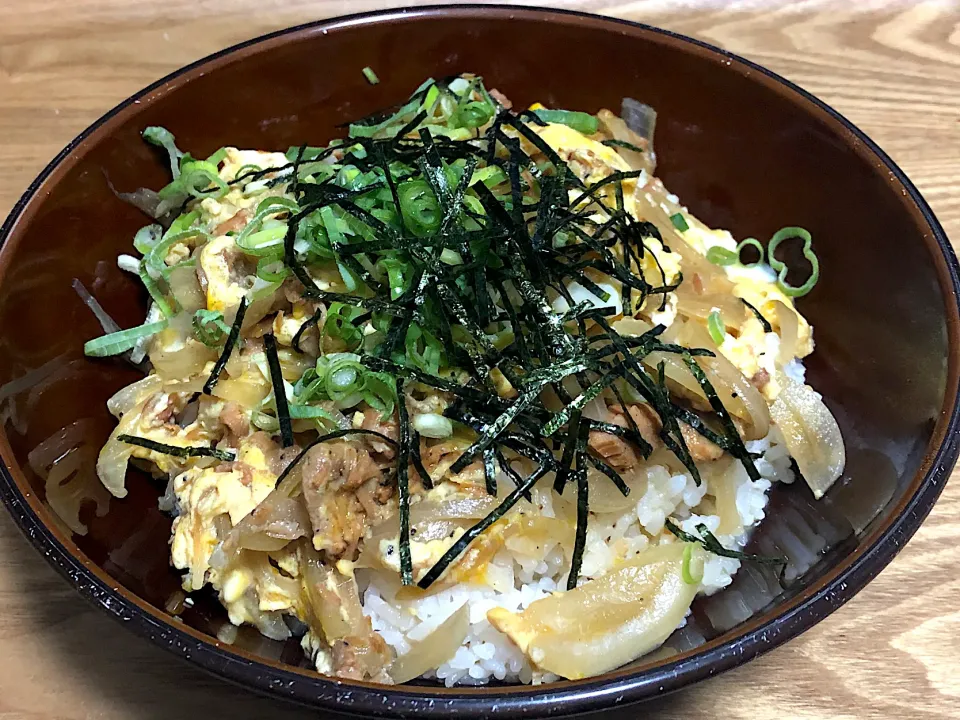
743, 148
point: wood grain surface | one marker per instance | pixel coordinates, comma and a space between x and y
893, 68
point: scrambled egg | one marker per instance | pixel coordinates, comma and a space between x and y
223, 290
203, 495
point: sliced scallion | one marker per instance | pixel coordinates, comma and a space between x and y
120, 342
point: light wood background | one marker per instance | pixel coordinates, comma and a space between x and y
891, 67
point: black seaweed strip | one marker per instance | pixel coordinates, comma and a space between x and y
490, 471
403, 486
279, 390
569, 450
610, 473
177, 450
417, 461
227, 348
763, 321
709, 542
472, 533
583, 512
309, 323
736, 448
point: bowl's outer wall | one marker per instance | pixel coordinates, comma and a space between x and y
743, 151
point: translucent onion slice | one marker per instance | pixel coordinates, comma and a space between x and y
434, 650
132, 395
332, 600
616, 128
114, 456
606, 622
789, 332
811, 434
605, 497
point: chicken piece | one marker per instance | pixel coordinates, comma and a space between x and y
616, 451
344, 491
362, 658
235, 419
372, 420
621, 455
701, 449
237, 222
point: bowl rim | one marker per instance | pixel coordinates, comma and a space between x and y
751, 639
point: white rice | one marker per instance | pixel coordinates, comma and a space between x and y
515, 579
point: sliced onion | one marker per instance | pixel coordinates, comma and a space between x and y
434, 650
185, 287
789, 332
690, 303
127, 398
604, 496
723, 478
606, 622
114, 456
332, 599
735, 391
271, 526
616, 128
811, 434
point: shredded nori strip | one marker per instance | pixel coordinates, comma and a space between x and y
178, 451
583, 516
767, 327
279, 390
711, 544
474, 532
403, 487
227, 348
309, 323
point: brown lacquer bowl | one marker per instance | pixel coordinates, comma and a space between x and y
743, 147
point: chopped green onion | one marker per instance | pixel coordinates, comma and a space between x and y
716, 327
209, 327
721, 256
679, 222
344, 379
371, 76
153, 289
323, 418
339, 326
178, 450
580, 121
789, 233
693, 565
754, 243
161, 137
156, 258
474, 114
201, 179
424, 350
121, 341
147, 237
432, 425
419, 207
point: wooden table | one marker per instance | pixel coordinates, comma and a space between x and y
894, 70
